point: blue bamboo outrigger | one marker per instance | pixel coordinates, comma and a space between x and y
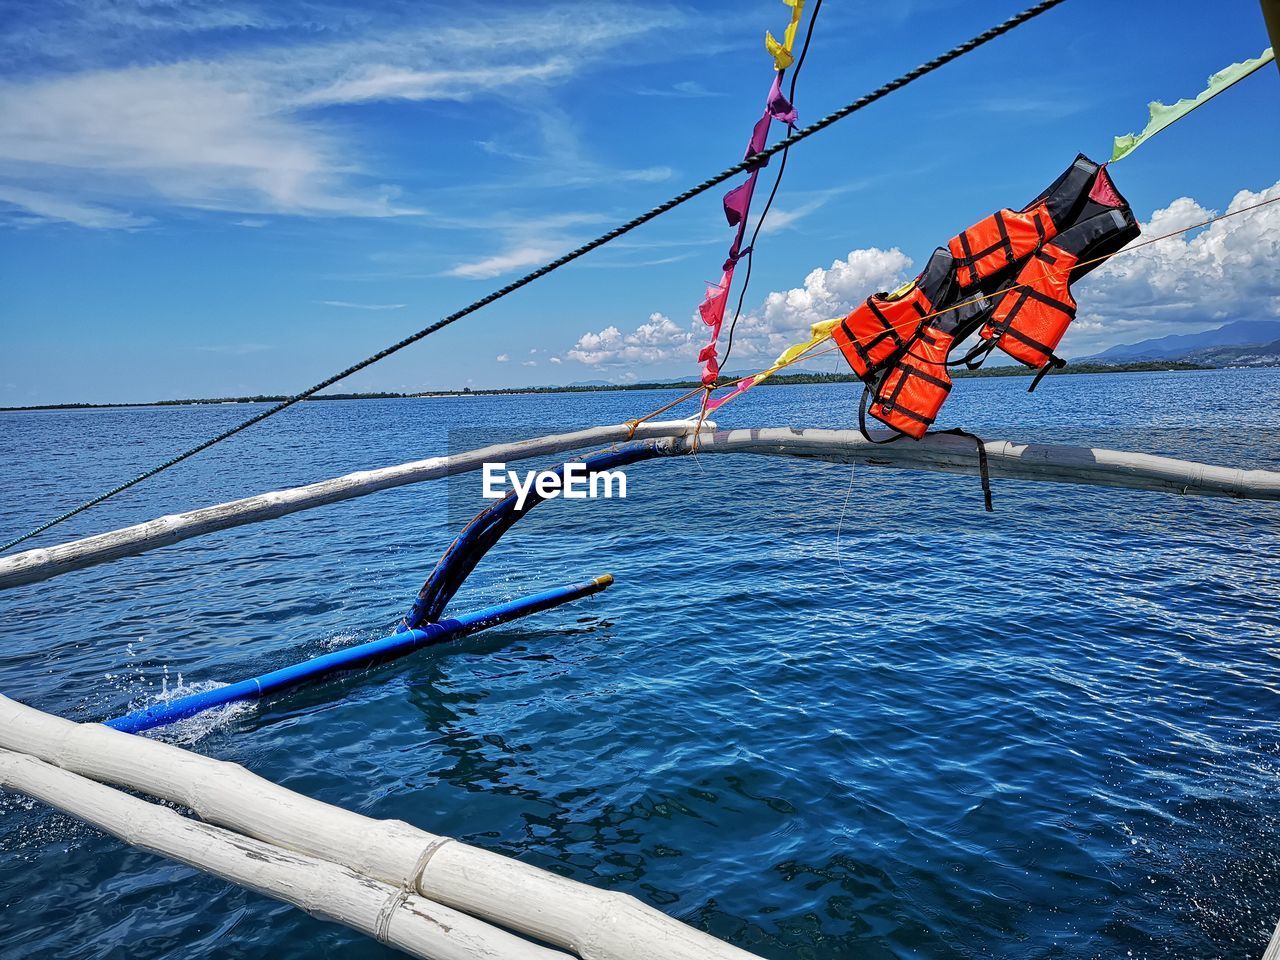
399, 644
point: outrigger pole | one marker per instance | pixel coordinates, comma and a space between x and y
353, 658
1055, 463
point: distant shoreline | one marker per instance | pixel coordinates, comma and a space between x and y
781, 380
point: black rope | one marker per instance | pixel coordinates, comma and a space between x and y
752, 161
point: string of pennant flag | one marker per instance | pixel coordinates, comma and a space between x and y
737, 202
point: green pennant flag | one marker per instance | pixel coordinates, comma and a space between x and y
1162, 114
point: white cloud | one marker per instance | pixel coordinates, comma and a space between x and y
684, 89
531, 241
1201, 279
810, 201
780, 219
240, 131
391, 83
556, 360
45, 206
548, 145
655, 341
346, 304
189, 135
783, 318
182, 135
528, 363
524, 255
503, 357
647, 174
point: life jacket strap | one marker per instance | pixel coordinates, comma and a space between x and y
867, 392
976, 356
984, 471
1055, 363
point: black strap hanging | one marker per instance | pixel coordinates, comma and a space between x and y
1055, 363
862, 415
983, 470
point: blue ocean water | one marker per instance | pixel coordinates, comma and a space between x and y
825, 712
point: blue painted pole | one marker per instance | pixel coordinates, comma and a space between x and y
353, 658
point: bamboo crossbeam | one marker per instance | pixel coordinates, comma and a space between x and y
594, 924
1056, 463
32, 566
403, 920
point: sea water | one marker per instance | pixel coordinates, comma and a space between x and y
826, 711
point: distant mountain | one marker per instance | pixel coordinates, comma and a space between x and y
1247, 355
1223, 345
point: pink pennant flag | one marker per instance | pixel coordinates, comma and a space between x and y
712, 306
780, 107
759, 137
736, 202
736, 252
742, 387
710, 370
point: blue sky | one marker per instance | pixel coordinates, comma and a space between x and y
208, 199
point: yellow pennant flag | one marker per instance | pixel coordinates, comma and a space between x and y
781, 52
818, 333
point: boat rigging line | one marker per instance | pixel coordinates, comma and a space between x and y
751, 162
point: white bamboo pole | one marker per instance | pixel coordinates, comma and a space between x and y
1056, 463
595, 924
1273, 948
326, 890
32, 566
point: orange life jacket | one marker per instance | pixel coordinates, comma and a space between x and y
999, 241
877, 331
910, 393
1007, 237
1008, 277
1030, 319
